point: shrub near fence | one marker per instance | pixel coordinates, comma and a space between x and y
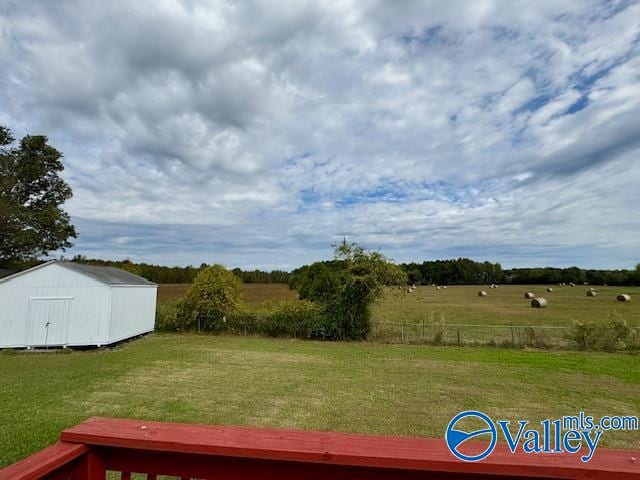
305, 319
283, 319
302, 319
611, 335
470, 334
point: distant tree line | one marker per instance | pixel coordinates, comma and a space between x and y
461, 271
260, 276
573, 274
325, 275
464, 271
164, 274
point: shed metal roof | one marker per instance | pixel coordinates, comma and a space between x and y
107, 275
5, 272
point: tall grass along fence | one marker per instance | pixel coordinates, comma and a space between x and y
611, 335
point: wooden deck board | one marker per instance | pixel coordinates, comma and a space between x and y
404, 453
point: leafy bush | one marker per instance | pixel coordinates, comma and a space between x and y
348, 314
213, 297
166, 316
320, 281
293, 319
346, 288
243, 322
610, 335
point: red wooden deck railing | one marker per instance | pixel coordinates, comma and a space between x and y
90, 449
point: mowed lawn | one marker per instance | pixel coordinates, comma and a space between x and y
354, 387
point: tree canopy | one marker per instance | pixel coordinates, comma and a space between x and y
347, 287
32, 221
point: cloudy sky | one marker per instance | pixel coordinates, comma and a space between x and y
255, 134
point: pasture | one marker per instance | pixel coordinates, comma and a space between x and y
458, 314
507, 305
353, 387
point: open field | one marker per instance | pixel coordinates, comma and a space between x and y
355, 387
506, 305
504, 316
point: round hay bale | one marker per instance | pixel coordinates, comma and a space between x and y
623, 297
572, 284
592, 289
591, 293
549, 289
539, 303
444, 287
437, 288
529, 295
482, 293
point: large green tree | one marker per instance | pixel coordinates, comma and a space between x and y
32, 221
347, 287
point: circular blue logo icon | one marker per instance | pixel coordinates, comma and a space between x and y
456, 438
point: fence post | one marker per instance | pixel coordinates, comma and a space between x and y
459, 340
402, 331
513, 336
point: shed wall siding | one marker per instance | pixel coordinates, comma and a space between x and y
133, 311
88, 322
90, 305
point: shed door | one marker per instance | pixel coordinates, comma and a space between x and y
48, 321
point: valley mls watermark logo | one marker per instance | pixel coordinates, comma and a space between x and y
455, 438
570, 434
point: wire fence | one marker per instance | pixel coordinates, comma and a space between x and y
541, 336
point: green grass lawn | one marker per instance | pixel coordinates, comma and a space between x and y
354, 387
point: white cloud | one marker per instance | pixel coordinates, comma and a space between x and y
249, 131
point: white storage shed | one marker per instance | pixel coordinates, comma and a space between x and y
62, 303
